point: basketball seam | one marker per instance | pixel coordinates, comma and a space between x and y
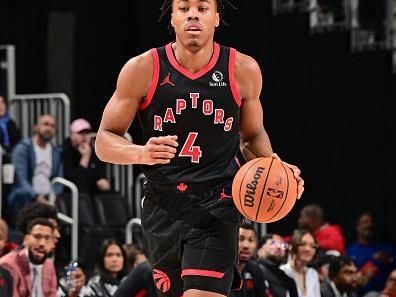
265, 183
287, 192
240, 187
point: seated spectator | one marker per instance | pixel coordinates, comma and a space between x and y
135, 255
252, 277
342, 278
37, 210
81, 165
9, 132
374, 260
5, 245
389, 290
36, 162
271, 254
303, 249
328, 236
111, 269
33, 273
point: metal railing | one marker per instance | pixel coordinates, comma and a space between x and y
25, 109
73, 220
140, 179
9, 65
129, 229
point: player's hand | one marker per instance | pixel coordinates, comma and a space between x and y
159, 150
296, 172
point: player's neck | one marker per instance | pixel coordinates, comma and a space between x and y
195, 58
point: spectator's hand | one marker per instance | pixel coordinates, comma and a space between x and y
103, 184
41, 199
78, 281
85, 149
296, 172
382, 257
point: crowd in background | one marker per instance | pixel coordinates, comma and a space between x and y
313, 261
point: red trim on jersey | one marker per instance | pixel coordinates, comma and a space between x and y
190, 75
201, 272
154, 80
233, 85
141, 293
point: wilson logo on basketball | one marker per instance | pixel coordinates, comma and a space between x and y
251, 188
161, 280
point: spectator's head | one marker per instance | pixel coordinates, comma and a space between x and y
247, 242
38, 210
39, 240
365, 226
45, 128
3, 105
112, 259
80, 130
272, 247
3, 235
390, 286
303, 246
135, 255
311, 217
343, 272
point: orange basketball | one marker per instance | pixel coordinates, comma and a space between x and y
264, 190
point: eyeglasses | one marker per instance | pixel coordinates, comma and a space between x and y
281, 245
311, 245
39, 237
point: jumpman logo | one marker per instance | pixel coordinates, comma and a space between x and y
167, 80
224, 195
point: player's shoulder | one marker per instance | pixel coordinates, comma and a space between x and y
140, 62
245, 62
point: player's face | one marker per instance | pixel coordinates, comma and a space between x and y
306, 248
113, 260
247, 244
194, 21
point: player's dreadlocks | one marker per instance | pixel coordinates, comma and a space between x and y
221, 5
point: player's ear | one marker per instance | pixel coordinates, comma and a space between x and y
217, 19
172, 20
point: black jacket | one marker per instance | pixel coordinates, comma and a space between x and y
279, 283
327, 291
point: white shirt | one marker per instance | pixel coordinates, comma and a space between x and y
43, 169
36, 292
312, 283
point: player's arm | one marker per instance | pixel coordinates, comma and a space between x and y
254, 139
133, 85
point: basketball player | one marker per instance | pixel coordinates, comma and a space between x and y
196, 100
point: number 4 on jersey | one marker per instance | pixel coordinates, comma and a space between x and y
190, 150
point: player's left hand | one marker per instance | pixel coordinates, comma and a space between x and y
296, 172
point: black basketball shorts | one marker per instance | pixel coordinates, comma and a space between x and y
191, 239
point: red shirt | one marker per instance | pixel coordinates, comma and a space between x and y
330, 237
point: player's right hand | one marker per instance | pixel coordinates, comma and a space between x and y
159, 150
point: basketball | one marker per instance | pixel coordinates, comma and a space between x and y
264, 190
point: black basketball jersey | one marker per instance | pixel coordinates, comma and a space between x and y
202, 109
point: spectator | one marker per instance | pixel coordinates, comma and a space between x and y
342, 278
36, 162
389, 290
5, 245
81, 164
303, 249
111, 269
33, 274
38, 210
374, 260
9, 132
328, 236
252, 276
271, 254
135, 255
